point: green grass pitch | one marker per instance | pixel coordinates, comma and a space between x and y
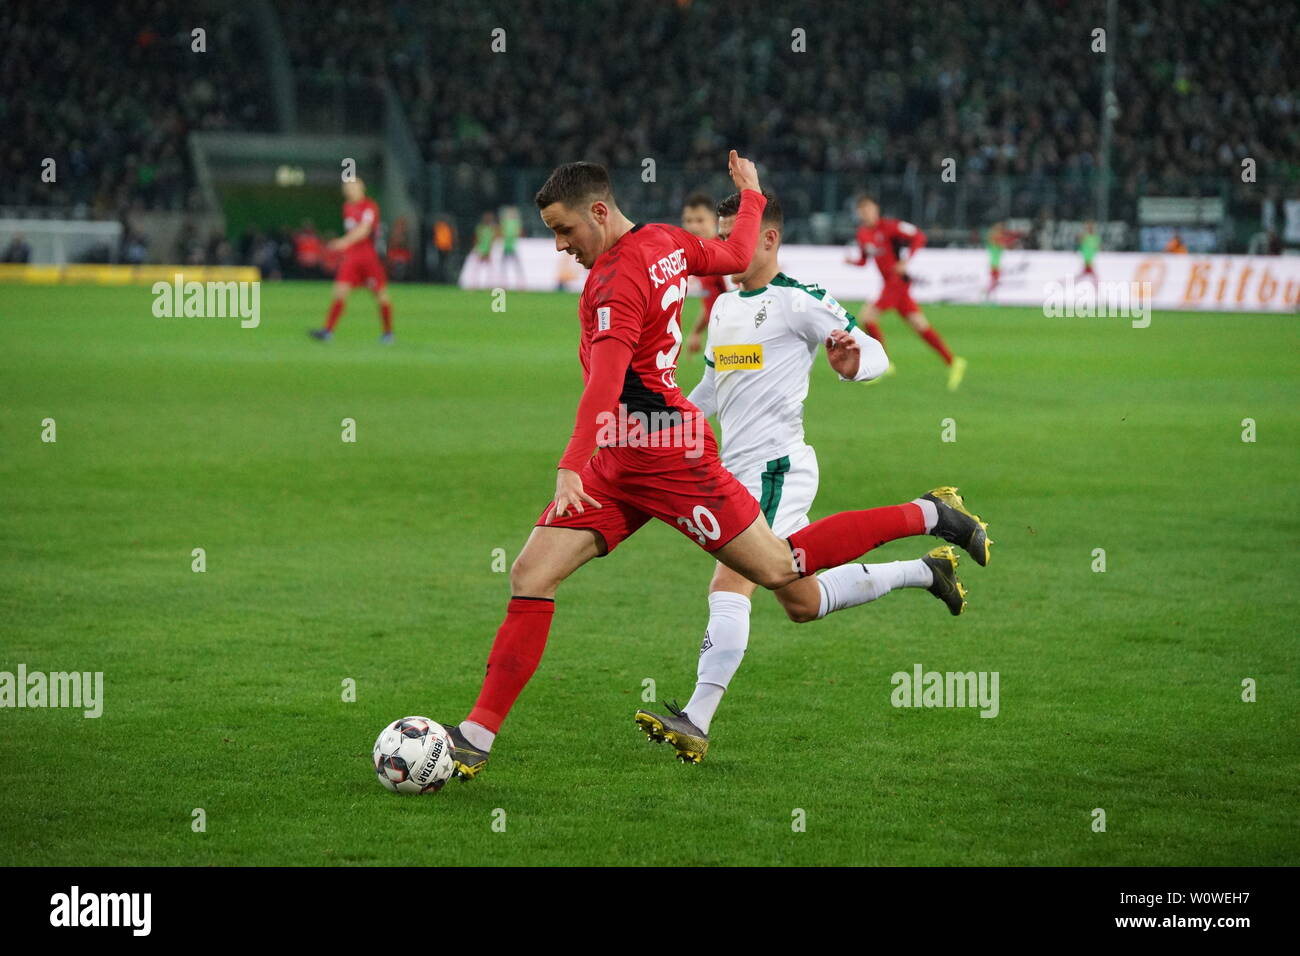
373, 561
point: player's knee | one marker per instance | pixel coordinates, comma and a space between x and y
521, 573
799, 612
531, 578
774, 578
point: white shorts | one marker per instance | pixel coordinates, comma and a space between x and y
784, 487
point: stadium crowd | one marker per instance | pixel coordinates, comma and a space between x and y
112, 91
1005, 87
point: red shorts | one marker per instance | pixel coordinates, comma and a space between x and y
364, 270
897, 295
697, 496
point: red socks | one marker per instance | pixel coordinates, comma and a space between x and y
515, 655
936, 343
930, 335
847, 536
331, 320
336, 310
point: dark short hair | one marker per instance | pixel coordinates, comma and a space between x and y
773, 217
576, 185
696, 199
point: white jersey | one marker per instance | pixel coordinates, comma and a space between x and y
761, 348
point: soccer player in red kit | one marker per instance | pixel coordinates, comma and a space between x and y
360, 265
654, 454
892, 243
700, 219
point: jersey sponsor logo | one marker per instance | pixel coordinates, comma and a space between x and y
736, 358
670, 266
602, 319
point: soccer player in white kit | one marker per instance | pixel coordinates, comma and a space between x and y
763, 339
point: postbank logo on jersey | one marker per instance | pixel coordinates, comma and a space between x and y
738, 358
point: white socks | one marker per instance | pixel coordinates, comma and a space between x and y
478, 735
727, 635
930, 512
852, 584
725, 641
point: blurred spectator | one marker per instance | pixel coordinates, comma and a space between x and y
18, 250
134, 248
307, 250
398, 256
442, 249
219, 251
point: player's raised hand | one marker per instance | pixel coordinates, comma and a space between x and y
569, 494
843, 353
742, 171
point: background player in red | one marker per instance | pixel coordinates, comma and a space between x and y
892, 243
666, 464
700, 218
998, 239
360, 265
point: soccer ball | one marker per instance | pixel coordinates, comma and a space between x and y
413, 755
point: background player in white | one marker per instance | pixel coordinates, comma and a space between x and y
762, 341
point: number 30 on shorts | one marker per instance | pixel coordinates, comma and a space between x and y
705, 527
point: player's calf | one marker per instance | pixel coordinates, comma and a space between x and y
801, 600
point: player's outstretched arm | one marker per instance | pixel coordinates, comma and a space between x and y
712, 257
743, 172
608, 366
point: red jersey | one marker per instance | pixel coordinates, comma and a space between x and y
889, 241
634, 295
354, 213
